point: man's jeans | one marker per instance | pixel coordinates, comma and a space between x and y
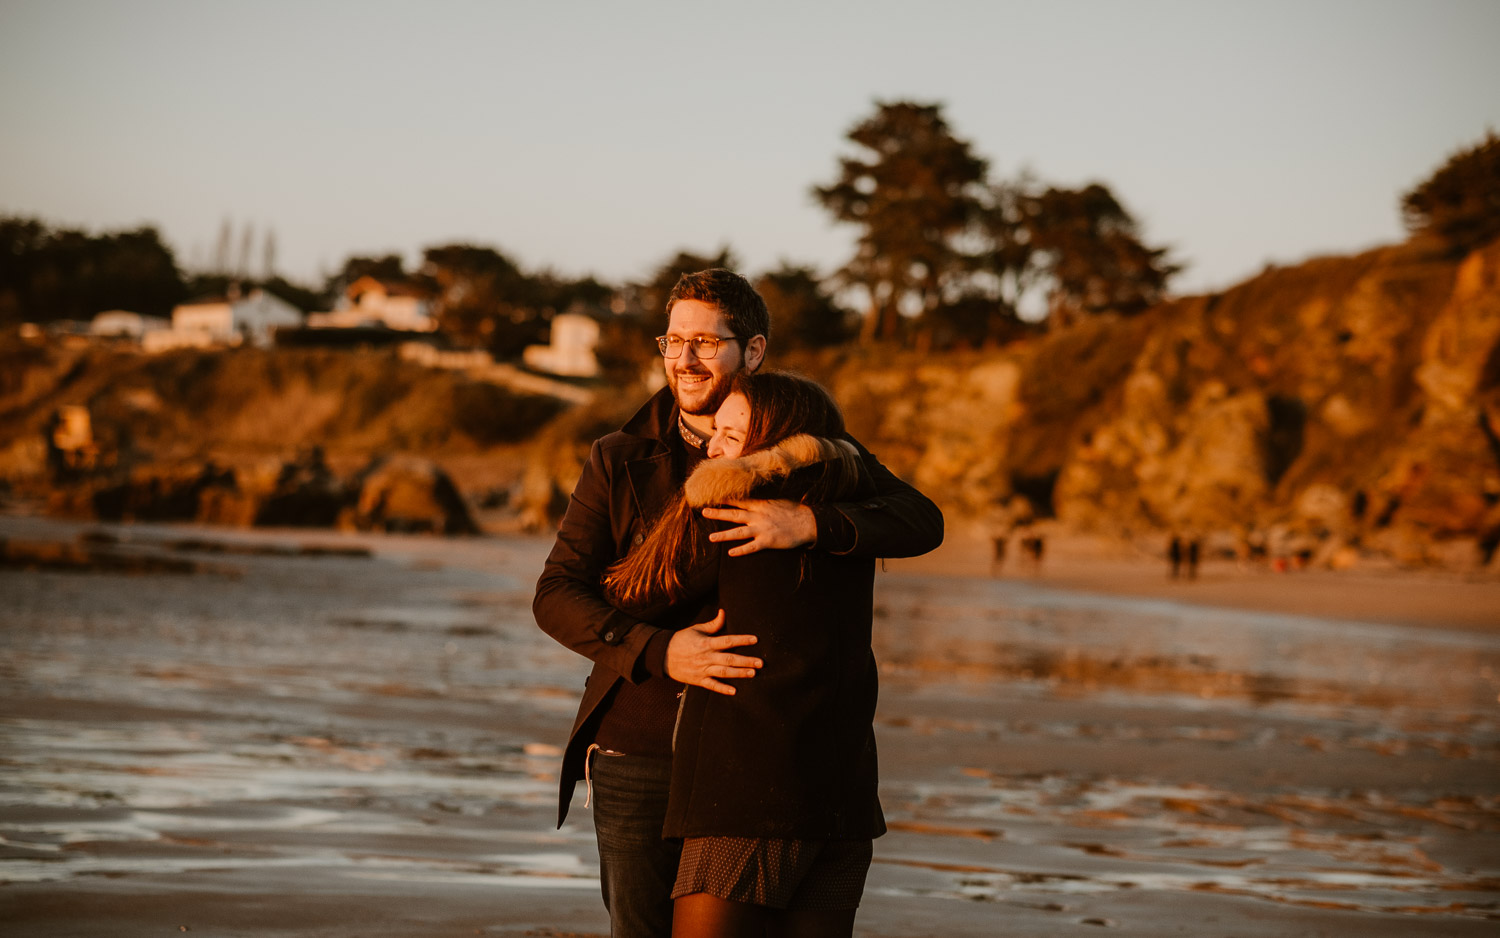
637, 868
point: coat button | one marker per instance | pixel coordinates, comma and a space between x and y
609, 636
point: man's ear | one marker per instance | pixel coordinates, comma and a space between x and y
755, 353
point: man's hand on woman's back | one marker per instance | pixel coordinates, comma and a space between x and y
697, 656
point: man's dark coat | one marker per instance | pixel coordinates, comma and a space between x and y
628, 479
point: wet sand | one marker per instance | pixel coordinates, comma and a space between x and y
1374, 591
341, 745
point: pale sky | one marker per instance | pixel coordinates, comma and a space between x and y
602, 137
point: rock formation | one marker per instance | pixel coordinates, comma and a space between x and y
1345, 401
410, 494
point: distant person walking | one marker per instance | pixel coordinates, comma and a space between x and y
1033, 547
1005, 521
997, 558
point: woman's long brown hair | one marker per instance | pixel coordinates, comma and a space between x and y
781, 405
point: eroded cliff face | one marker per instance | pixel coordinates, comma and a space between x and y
1446, 478
1344, 404
942, 424
1345, 401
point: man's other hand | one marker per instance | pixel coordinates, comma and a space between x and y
695, 655
765, 525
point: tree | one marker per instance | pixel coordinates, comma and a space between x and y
48, 273
803, 315
388, 268
651, 296
626, 349
914, 190
1087, 247
971, 321
484, 299
1006, 265
555, 294
21, 240
304, 298
1460, 202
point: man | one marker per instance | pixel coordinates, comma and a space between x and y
622, 737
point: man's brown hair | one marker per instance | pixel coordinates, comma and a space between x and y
733, 295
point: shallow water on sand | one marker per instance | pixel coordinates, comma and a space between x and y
386, 730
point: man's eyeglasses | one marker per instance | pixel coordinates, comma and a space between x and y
704, 346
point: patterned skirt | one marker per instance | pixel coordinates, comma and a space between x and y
824, 875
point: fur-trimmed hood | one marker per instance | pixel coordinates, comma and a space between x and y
717, 481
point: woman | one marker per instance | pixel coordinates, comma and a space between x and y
774, 787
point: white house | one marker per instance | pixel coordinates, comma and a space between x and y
123, 323
226, 321
371, 302
570, 351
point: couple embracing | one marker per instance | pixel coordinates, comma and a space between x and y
716, 563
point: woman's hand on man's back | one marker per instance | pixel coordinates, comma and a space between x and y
765, 525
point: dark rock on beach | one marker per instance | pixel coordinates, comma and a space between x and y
409, 494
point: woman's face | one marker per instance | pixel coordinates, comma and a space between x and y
731, 427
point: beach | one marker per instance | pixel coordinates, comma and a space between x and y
303, 732
1374, 591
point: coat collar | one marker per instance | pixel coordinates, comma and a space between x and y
651, 477
656, 419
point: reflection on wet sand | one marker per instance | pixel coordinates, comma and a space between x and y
1292, 849
1085, 643
1095, 746
1104, 747
367, 745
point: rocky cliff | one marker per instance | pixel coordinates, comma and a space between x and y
1345, 403
292, 436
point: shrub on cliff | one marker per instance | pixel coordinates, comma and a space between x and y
1460, 203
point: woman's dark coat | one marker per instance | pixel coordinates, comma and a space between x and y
792, 753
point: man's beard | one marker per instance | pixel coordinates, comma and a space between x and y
718, 390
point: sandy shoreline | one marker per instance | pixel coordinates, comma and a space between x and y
1420, 598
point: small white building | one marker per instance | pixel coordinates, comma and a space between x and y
229, 320
122, 323
372, 302
570, 351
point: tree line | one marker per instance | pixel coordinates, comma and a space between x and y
945, 252
945, 255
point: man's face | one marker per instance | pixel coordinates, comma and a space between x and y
700, 385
